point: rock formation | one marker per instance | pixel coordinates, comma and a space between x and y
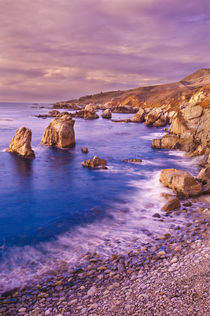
94, 163
21, 143
60, 132
107, 114
181, 182
190, 125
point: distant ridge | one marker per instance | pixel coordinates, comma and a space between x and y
150, 96
198, 74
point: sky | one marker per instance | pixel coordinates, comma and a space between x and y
53, 50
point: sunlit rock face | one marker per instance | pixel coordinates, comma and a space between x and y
21, 143
181, 182
60, 133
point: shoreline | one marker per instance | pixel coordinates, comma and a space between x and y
87, 289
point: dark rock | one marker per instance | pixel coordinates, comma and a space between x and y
96, 162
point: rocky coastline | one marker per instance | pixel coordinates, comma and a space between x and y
168, 275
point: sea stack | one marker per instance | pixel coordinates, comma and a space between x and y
60, 133
21, 143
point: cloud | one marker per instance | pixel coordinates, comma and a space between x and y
60, 49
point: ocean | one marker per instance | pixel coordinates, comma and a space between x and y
54, 211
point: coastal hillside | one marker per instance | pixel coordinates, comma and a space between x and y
151, 96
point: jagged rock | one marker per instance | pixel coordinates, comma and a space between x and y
162, 121
133, 160
166, 142
171, 205
139, 116
181, 182
96, 162
60, 133
204, 174
84, 150
153, 116
21, 143
107, 114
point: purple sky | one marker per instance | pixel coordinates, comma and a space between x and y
60, 49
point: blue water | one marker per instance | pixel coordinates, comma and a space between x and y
51, 197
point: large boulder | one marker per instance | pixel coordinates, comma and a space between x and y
21, 143
60, 133
94, 163
107, 114
181, 182
139, 116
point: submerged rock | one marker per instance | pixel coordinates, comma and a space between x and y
60, 133
181, 182
133, 160
84, 150
107, 114
96, 162
21, 143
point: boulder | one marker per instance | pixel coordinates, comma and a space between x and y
107, 114
171, 205
181, 182
89, 108
21, 143
204, 174
96, 162
90, 115
125, 109
139, 116
84, 150
166, 142
60, 133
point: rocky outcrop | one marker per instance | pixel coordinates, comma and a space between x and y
21, 143
181, 182
171, 205
107, 114
95, 163
60, 133
192, 123
139, 117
